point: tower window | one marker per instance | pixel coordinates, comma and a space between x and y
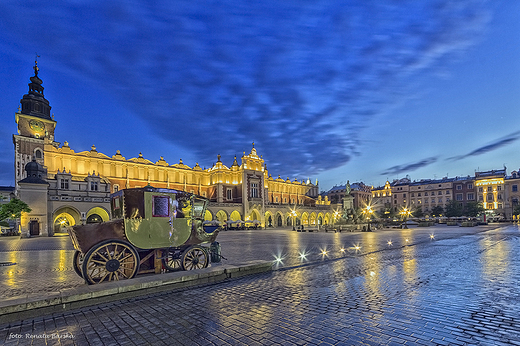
38, 154
93, 186
254, 190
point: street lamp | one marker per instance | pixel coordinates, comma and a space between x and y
368, 211
334, 217
293, 213
405, 213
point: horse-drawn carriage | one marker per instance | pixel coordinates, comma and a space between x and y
152, 230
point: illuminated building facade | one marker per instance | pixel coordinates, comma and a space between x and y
78, 184
382, 198
491, 189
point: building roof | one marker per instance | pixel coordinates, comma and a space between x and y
6, 188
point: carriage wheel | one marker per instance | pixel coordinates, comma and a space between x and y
173, 261
77, 262
109, 261
194, 257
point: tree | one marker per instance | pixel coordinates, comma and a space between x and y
13, 209
473, 209
437, 210
417, 212
453, 209
516, 210
353, 216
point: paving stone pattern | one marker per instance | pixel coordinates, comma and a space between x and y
44, 264
458, 291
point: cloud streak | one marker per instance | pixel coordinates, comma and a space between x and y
497, 144
409, 167
299, 79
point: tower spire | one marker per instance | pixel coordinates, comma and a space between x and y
34, 103
36, 69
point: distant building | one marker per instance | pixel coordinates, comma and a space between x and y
358, 195
6, 194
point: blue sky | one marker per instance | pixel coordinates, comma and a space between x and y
331, 90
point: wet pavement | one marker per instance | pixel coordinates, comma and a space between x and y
458, 288
44, 264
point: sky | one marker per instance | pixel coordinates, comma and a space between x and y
330, 90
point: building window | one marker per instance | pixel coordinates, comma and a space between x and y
38, 154
93, 186
433, 200
116, 187
469, 186
480, 189
499, 196
458, 197
480, 198
499, 205
489, 189
459, 187
439, 193
419, 194
229, 194
447, 192
254, 190
470, 196
64, 184
514, 188
440, 200
490, 198
499, 188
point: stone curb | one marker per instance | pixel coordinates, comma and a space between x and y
34, 305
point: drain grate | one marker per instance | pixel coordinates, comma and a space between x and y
5, 264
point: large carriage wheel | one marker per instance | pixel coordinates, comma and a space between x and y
77, 262
172, 261
109, 261
194, 257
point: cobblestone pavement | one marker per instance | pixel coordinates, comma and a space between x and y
460, 290
44, 264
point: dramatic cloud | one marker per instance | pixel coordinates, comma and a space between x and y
407, 168
301, 79
499, 143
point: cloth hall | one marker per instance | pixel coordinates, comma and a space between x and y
64, 187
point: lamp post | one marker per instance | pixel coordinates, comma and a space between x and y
368, 211
405, 213
293, 213
334, 217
